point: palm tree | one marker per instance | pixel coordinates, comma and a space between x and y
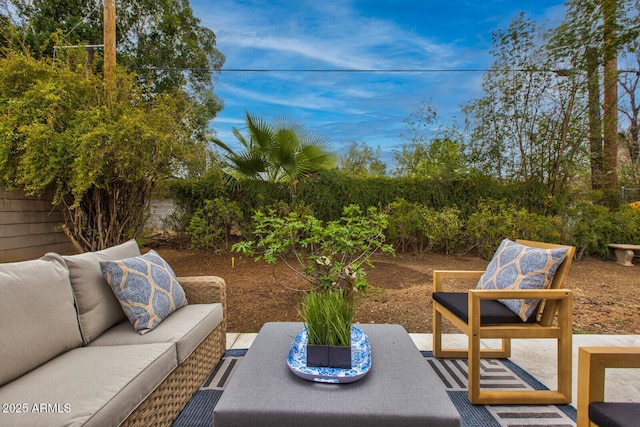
278, 153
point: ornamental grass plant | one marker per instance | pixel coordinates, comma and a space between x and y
327, 315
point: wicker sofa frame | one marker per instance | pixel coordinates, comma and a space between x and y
166, 402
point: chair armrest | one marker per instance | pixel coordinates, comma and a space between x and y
592, 362
496, 294
205, 290
440, 275
561, 297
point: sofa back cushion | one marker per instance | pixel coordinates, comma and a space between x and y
98, 308
37, 315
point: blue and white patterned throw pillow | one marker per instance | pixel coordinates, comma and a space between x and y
515, 266
146, 287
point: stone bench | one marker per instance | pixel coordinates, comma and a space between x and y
624, 253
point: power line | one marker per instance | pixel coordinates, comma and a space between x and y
345, 70
332, 70
82, 21
561, 72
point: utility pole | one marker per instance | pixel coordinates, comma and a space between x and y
109, 47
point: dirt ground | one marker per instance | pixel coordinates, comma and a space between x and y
606, 294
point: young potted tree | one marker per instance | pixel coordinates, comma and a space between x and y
331, 257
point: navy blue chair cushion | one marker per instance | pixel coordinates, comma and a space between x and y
615, 414
492, 312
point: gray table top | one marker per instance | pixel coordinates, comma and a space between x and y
399, 390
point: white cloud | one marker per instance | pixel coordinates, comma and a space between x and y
229, 121
353, 35
307, 101
334, 36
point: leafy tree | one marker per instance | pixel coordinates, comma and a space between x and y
277, 153
330, 254
101, 162
630, 83
421, 123
530, 124
362, 160
590, 39
160, 40
438, 159
630, 139
433, 151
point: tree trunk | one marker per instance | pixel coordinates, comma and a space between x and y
595, 119
610, 80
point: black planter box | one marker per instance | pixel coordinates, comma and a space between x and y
329, 356
340, 357
317, 355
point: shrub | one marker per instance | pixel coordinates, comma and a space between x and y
495, 220
405, 225
421, 228
590, 229
214, 223
442, 230
626, 223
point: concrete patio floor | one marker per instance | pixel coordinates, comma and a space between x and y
536, 356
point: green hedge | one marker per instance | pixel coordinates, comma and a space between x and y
469, 215
328, 191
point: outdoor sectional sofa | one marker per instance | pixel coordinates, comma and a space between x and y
69, 355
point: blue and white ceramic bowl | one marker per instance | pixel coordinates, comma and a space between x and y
360, 360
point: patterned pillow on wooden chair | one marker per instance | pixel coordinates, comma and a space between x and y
515, 266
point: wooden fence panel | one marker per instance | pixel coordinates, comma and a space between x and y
30, 227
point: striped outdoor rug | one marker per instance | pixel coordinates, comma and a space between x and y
453, 373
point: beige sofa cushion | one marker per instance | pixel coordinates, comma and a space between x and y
186, 327
37, 315
98, 308
88, 386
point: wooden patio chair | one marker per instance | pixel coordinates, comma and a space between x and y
592, 409
479, 314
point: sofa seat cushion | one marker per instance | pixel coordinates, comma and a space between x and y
98, 308
89, 386
186, 327
37, 315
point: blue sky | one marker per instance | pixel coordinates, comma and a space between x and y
355, 35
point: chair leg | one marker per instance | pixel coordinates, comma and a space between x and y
437, 333
565, 343
561, 395
564, 364
506, 349
473, 362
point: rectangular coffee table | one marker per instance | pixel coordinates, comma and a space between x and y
399, 390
